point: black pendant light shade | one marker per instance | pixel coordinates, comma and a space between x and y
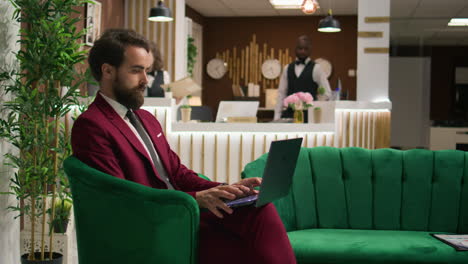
160, 13
329, 24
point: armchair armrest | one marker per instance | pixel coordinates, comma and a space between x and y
119, 221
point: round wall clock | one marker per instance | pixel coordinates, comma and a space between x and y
271, 69
216, 68
325, 65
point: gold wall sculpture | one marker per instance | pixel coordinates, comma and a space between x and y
244, 65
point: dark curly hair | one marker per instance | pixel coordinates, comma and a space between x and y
110, 48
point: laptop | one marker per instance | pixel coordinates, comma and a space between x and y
236, 109
277, 175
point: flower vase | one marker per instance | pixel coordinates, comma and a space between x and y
298, 116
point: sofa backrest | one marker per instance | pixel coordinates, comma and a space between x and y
385, 189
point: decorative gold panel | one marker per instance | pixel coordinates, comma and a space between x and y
384, 19
376, 50
370, 34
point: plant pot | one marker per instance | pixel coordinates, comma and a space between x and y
168, 95
185, 114
57, 258
60, 226
317, 115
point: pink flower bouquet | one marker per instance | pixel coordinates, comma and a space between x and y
298, 101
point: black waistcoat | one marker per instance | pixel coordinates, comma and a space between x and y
155, 90
302, 83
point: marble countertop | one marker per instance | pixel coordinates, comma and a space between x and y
252, 127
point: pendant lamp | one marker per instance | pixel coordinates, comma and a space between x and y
329, 24
160, 13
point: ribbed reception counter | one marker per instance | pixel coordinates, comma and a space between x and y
221, 150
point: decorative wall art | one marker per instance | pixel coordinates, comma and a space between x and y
93, 22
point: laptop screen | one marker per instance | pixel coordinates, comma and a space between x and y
279, 170
236, 109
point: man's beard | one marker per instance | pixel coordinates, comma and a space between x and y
130, 98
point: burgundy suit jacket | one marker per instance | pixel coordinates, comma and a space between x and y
102, 140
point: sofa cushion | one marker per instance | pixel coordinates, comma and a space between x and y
354, 246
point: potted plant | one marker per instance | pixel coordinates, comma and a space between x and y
321, 93
62, 215
191, 55
185, 112
50, 50
168, 93
317, 114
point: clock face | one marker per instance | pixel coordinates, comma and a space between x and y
216, 68
271, 69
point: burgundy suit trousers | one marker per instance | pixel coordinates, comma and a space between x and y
248, 235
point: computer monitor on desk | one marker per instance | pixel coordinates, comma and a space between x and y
236, 109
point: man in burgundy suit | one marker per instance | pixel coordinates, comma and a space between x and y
116, 137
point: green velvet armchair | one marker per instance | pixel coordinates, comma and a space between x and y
356, 206
122, 222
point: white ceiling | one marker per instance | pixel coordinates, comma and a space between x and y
413, 22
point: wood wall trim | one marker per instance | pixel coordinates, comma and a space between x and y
377, 50
370, 34
384, 19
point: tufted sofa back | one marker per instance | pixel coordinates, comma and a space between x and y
386, 189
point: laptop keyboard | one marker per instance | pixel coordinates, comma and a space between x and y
242, 201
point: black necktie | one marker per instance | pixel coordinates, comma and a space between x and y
149, 145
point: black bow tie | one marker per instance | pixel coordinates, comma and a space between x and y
300, 61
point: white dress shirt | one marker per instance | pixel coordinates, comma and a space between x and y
318, 75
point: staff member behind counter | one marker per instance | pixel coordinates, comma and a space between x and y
157, 76
302, 75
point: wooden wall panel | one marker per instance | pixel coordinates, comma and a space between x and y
113, 14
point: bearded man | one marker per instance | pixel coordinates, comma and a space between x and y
115, 136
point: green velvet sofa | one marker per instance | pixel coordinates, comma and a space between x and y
354, 205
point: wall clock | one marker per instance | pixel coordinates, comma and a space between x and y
271, 69
216, 68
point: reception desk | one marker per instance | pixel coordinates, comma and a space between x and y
221, 150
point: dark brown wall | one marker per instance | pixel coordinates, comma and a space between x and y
194, 15
444, 60
279, 33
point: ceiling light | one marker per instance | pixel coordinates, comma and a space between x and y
309, 6
329, 24
458, 22
286, 4
160, 13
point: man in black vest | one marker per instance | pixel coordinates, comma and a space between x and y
302, 75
